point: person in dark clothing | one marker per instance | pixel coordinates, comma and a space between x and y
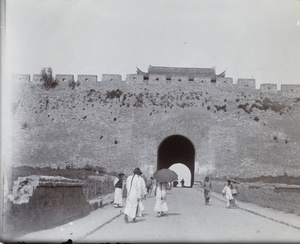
182, 182
118, 183
207, 188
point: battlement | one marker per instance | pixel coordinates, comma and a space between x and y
290, 88
159, 79
87, 78
270, 88
64, 78
246, 83
111, 78
134, 79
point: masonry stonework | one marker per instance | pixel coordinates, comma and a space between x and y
235, 129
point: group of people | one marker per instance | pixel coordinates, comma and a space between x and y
230, 191
131, 196
135, 191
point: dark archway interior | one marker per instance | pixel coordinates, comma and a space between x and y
176, 149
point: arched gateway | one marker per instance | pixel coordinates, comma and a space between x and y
176, 149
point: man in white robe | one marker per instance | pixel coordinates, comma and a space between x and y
134, 188
143, 193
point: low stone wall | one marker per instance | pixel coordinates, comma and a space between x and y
39, 202
277, 196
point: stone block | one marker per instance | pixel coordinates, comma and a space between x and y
224, 81
134, 79
156, 79
37, 78
202, 80
111, 78
180, 79
87, 78
21, 77
292, 89
64, 78
246, 83
268, 88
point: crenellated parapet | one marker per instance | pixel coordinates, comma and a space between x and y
180, 79
155, 79
64, 78
111, 78
290, 88
246, 83
37, 78
134, 79
203, 81
224, 81
21, 77
268, 88
86, 80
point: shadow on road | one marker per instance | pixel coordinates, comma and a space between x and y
137, 221
167, 214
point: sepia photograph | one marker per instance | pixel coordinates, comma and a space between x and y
152, 121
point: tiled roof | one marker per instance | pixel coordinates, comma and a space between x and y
191, 73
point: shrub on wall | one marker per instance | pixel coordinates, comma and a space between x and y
46, 75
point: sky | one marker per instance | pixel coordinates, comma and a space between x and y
248, 38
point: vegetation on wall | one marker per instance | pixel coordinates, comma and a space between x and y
47, 77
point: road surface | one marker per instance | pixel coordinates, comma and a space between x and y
190, 220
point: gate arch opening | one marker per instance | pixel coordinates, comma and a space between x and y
183, 172
176, 149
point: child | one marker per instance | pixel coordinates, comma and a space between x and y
228, 194
234, 190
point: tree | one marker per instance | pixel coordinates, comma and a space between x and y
46, 74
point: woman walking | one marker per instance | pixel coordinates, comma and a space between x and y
161, 205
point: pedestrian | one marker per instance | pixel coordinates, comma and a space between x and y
118, 184
182, 182
143, 194
175, 183
133, 186
227, 193
234, 190
207, 186
148, 185
124, 194
161, 205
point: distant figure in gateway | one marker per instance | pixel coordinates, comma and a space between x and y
182, 182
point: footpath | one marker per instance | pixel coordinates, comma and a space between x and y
79, 229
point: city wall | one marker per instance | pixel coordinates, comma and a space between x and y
236, 130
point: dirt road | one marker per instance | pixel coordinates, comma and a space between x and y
190, 220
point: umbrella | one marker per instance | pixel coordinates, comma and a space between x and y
144, 177
234, 180
165, 175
